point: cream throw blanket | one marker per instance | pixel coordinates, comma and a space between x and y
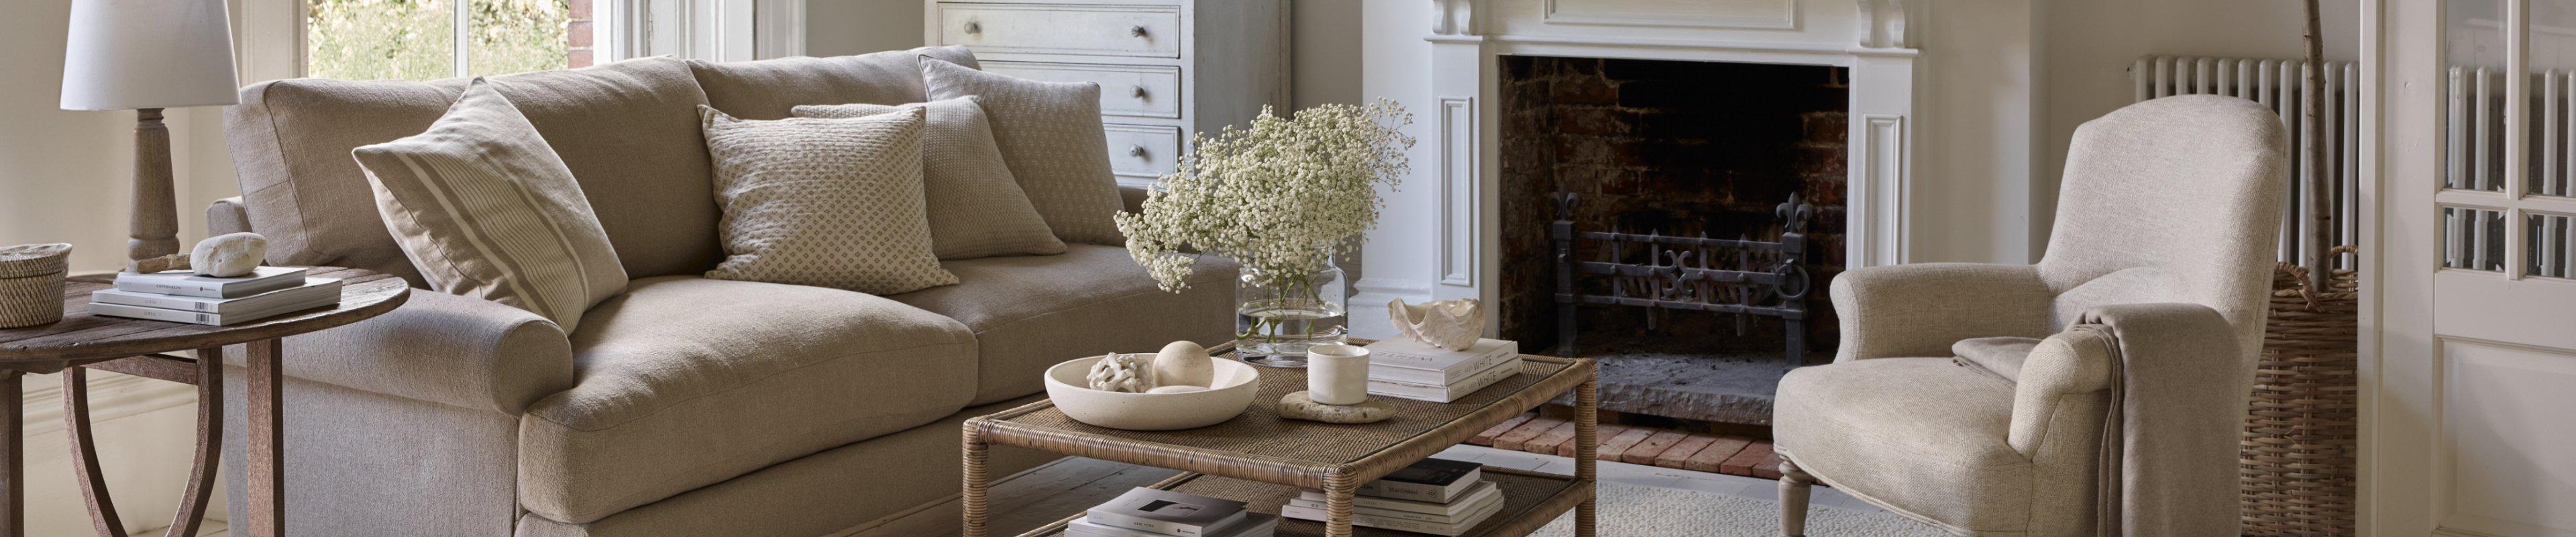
2169, 441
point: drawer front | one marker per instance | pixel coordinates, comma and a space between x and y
1143, 151
1125, 90
1145, 31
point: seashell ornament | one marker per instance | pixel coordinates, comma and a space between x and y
1129, 373
1447, 324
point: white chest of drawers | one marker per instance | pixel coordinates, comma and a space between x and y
1166, 68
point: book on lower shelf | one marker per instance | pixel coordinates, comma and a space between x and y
1146, 512
298, 294
1455, 512
1431, 480
1435, 496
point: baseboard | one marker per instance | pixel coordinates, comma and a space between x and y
111, 396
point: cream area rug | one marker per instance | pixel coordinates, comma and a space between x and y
1630, 510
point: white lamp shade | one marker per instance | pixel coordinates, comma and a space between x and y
127, 54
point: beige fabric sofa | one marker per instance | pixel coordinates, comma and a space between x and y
685, 406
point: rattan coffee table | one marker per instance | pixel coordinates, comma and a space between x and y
1264, 460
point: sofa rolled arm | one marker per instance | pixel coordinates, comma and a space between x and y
442, 348
2083, 363
1920, 309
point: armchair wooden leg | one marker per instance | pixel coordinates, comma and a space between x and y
1794, 487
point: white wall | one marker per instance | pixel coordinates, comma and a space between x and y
846, 27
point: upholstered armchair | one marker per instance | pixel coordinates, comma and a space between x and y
2097, 392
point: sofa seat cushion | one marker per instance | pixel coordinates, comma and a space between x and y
1031, 312
687, 381
1931, 430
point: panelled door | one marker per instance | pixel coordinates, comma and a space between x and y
2470, 424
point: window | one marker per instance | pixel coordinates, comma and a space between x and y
430, 39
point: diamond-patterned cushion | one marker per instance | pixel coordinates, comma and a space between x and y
824, 202
976, 209
1050, 136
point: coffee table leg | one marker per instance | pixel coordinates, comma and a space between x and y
972, 497
1587, 403
13, 503
1339, 494
266, 462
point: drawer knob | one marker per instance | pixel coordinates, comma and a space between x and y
973, 27
1137, 30
1140, 92
1137, 151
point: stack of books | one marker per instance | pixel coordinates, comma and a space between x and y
1435, 496
1145, 512
1408, 369
181, 296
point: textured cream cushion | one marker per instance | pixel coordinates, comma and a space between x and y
976, 208
484, 209
823, 202
1049, 133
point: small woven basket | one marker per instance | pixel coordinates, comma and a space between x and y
2297, 454
31, 284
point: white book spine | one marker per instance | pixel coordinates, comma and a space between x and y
153, 301
1449, 393
1373, 521
1371, 511
1453, 375
156, 314
171, 288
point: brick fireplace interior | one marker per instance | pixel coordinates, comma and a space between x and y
1673, 147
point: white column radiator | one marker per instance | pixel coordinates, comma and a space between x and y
2276, 84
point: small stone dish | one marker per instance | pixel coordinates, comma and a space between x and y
1232, 389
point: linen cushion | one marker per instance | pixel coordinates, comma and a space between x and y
484, 209
825, 202
769, 89
1031, 312
1049, 133
685, 382
627, 130
976, 208
1925, 433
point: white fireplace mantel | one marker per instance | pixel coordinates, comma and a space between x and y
1467, 37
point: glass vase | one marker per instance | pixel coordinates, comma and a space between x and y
1275, 323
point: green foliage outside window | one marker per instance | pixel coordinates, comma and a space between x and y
415, 39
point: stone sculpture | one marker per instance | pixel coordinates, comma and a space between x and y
229, 255
1129, 373
1184, 363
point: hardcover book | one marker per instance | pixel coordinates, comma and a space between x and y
1455, 512
1443, 394
1252, 525
1374, 521
1167, 512
1432, 480
314, 291
1406, 360
185, 283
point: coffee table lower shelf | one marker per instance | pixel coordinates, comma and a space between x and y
1530, 501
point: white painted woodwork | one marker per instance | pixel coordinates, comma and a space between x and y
1468, 37
2276, 85
1167, 69
2467, 356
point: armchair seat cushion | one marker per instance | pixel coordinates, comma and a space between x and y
2001, 355
686, 381
1929, 434
1030, 312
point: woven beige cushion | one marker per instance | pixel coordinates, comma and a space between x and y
1049, 133
976, 208
484, 208
824, 202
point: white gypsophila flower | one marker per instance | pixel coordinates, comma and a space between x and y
1278, 196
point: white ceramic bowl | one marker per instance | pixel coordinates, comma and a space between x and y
1235, 384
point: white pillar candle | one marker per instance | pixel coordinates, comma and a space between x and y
1337, 374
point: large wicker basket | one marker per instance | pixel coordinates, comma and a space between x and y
2297, 454
31, 284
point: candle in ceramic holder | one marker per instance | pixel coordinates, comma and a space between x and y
1337, 374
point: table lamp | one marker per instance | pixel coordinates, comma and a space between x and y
146, 55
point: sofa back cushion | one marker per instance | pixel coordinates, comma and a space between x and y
771, 89
627, 130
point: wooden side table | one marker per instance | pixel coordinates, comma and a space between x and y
1263, 460
82, 341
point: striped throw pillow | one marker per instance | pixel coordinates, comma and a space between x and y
484, 208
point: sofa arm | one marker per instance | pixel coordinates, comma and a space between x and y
443, 348
2068, 369
227, 215
1920, 309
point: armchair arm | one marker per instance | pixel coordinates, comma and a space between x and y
2067, 380
1920, 309
442, 348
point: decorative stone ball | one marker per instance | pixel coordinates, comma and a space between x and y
1298, 406
1176, 389
228, 255
1129, 373
1184, 363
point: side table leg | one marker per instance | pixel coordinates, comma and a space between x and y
1339, 494
93, 484
210, 444
13, 503
972, 498
265, 466
1587, 401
